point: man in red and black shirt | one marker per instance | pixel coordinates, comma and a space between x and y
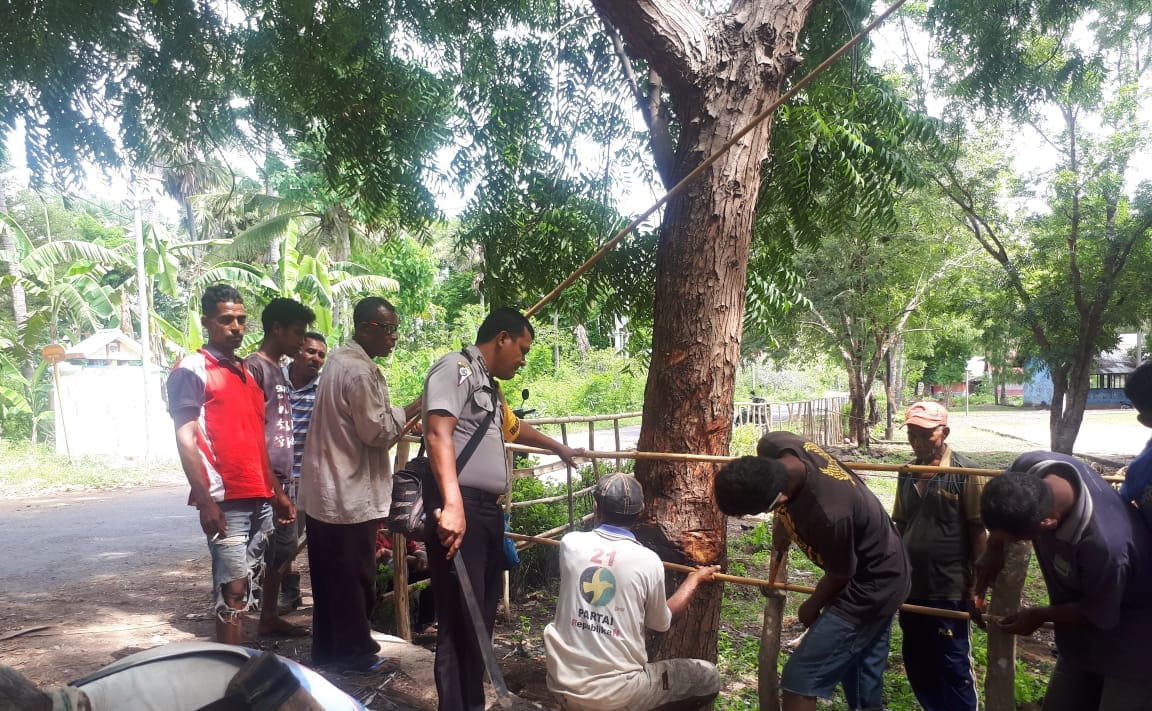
218, 411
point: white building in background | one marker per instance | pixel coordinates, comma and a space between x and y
100, 407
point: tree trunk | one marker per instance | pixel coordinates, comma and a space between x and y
8, 244
720, 72
898, 383
189, 217
1062, 437
858, 413
889, 397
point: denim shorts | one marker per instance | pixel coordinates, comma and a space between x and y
239, 554
838, 651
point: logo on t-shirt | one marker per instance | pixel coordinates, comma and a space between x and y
597, 586
831, 467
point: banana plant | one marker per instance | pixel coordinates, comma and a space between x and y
326, 286
69, 285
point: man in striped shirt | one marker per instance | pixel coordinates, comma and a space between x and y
303, 376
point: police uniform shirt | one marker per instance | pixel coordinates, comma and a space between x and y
460, 385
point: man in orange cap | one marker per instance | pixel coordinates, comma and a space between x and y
938, 517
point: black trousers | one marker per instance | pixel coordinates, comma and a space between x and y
342, 563
459, 666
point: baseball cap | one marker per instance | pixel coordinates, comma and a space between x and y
619, 494
928, 415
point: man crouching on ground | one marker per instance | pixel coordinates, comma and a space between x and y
842, 527
611, 589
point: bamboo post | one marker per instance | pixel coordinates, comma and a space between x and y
403, 447
768, 680
592, 446
739, 579
400, 582
568, 478
616, 429
1000, 680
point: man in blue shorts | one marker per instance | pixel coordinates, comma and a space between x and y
1096, 557
842, 527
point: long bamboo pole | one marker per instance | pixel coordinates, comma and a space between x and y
724, 459
756, 582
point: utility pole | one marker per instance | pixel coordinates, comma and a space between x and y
145, 309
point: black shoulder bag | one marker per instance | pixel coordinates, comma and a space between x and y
408, 514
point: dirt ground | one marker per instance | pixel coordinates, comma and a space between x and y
61, 633
66, 632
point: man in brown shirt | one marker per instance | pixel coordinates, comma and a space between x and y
346, 486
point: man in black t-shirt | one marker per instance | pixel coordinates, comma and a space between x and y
841, 526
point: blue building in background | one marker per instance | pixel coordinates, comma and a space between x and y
1107, 386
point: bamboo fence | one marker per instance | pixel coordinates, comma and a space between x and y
819, 421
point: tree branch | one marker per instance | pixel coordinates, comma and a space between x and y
651, 108
669, 34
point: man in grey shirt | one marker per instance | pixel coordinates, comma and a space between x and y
285, 322
346, 487
460, 397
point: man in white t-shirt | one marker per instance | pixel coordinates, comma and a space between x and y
611, 590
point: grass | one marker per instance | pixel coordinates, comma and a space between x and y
27, 469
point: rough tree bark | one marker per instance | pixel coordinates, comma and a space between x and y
719, 72
8, 244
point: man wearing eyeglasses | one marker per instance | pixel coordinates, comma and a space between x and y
346, 487
843, 528
938, 516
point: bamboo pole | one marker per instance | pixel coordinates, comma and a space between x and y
742, 580
400, 582
552, 499
768, 681
581, 419
508, 512
530, 541
538, 470
392, 593
400, 562
724, 459
1007, 589
592, 445
616, 429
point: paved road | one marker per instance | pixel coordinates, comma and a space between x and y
62, 539
68, 538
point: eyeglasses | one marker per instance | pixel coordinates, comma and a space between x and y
387, 328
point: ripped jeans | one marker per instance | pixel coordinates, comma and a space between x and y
239, 555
